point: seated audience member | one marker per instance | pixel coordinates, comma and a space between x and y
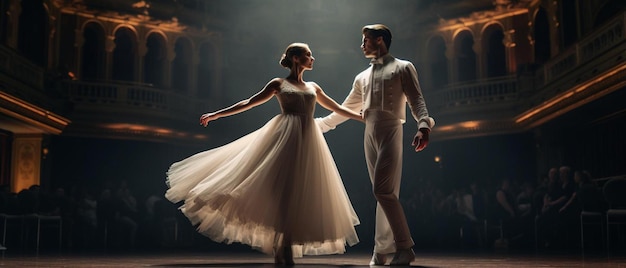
588, 195
504, 210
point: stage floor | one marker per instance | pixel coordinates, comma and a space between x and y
354, 259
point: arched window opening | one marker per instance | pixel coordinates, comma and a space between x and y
465, 57
495, 52
124, 55
154, 61
93, 54
542, 37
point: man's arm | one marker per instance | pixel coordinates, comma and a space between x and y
417, 105
413, 93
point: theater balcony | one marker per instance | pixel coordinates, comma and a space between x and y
591, 69
116, 109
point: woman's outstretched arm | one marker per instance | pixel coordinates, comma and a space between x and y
259, 98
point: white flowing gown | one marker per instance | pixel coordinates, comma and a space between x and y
278, 179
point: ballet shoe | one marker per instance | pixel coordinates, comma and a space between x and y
378, 259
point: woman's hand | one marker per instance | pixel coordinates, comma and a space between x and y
205, 118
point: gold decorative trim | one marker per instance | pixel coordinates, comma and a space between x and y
31, 114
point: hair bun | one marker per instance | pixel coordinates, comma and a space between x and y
285, 62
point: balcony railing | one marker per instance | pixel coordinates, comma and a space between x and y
601, 41
103, 96
592, 52
479, 92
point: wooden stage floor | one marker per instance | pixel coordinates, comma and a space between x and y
164, 259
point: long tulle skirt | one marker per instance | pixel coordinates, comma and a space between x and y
280, 179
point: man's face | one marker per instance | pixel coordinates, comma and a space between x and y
370, 45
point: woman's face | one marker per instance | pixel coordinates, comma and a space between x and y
306, 59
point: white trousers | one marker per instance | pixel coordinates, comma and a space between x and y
383, 153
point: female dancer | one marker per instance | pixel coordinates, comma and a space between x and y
276, 189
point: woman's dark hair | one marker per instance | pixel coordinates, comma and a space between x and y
376, 30
295, 49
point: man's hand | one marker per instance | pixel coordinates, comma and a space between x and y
420, 141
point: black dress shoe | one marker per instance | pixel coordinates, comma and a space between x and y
403, 257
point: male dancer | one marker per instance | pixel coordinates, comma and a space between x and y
381, 92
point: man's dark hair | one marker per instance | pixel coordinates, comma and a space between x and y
376, 30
